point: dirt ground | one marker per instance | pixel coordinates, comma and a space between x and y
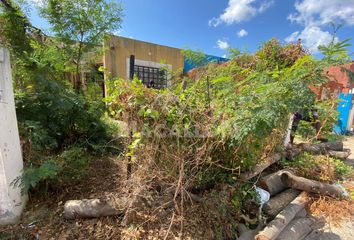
43, 216
345, 231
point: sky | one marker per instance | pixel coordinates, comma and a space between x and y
214, 25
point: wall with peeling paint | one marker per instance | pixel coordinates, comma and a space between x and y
11, 164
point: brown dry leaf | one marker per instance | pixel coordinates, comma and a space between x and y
334, 210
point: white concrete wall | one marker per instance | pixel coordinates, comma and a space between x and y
11, 201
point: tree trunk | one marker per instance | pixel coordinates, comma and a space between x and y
275, 227
77, 73
297, 229
311, 185
272, 183
277, 203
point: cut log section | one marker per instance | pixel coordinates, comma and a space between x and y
342, 155
312, 186
275, 227
273, 183
261, 167
89, 208
277, 203
297, 229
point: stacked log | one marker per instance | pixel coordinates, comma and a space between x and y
277, 203
333, 149
297, 229
279, 223
273, 183
323, 148
311, 186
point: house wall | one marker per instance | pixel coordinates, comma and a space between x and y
118, 50
339, 82
11, 200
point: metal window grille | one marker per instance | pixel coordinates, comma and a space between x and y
151, 77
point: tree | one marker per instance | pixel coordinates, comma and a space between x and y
233, 52
336, 51
80, 25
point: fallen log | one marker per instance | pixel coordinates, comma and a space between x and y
276, 226
273, 183
333, 149
89, 208
312, 186
277, 203
297, 229
323, 148
261, 167
342, 155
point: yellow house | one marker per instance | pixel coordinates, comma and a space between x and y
152, 63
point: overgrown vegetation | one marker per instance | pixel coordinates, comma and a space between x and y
224, 121
199, 134
59, 127
319, 167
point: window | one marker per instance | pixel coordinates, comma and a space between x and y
152, 77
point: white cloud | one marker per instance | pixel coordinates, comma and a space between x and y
321, 12
313, 15
311, 37
242, 33
241, 10
293, 37
223, 45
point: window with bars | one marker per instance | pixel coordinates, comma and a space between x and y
151, 77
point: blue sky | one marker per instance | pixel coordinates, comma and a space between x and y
213, 25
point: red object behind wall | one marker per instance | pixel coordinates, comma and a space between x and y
339, 81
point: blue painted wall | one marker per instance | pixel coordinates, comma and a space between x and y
208, 59
343, 108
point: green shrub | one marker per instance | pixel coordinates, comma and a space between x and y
74, 163
32, 176
53, 117
66, 168
319, 167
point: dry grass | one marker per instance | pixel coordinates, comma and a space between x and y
333, 210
